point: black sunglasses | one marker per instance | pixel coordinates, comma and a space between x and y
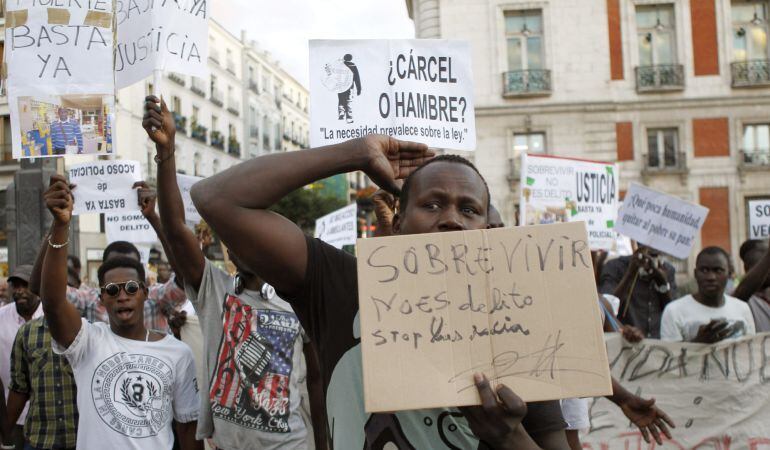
113, 289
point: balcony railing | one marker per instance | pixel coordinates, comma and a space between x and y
661, 77
755, 159
216, 97
233, 146
664, 166
751, 73
522, 83
233, 106
214, 55
176, 78
181, 122
217, 140
198, 86
198, 132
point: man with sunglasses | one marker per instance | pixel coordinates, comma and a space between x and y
253, 342
709, 315
132, 382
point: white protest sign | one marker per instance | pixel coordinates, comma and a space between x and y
60, 86
105, 186
759, 219
128, 226
186, 183
160, 35
518, 304
340, 227
661, 221
569, 190
416, 90
717, 395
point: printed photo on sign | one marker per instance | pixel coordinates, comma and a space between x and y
167, 36
250, 382
64, 125
418, 90
560, 190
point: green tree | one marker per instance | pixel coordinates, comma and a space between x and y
304, 206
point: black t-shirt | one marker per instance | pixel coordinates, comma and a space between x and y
327, 307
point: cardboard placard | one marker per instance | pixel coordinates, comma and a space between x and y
60, 86
414, 90
105, 186
717, 394
661, 221
339, 228
185, 183
759, 219
519, 305
167, 36
570, 190
128, 226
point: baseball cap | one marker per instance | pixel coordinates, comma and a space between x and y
23, 273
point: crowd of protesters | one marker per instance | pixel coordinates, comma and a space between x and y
268, 356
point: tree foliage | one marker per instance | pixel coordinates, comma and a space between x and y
304, 206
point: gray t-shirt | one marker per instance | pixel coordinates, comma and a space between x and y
253, 350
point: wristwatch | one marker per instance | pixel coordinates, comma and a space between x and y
663, 289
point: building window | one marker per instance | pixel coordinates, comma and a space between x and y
524, 39
656, 34
756, 143
195, 112
749, 30
663, 148
532, 143
214, 123
176, 104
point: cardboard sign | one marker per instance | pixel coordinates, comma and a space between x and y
60, 86
414, 90
105, 186
519, 305
340, 227
661, 221
557, 190
127, 226
186, 183
167, 36
759, 219
716, 394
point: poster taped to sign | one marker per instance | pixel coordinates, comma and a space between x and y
59, 104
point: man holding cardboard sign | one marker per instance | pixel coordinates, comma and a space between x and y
445, 195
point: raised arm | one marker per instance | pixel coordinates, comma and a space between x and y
235, 202
159, 124
754, 279
34, 279
63, 318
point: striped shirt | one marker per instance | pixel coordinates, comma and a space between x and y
63, 134
47, 378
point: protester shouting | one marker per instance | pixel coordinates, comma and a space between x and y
160, 297
709, 315
446, 194
253, 341
132, 382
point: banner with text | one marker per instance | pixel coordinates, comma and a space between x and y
186, 183
105, 186
518, 304
759, 219
718, 395
557, 190
58, 103
128, 226
161, 35
339, 228
661, 221
415, 90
